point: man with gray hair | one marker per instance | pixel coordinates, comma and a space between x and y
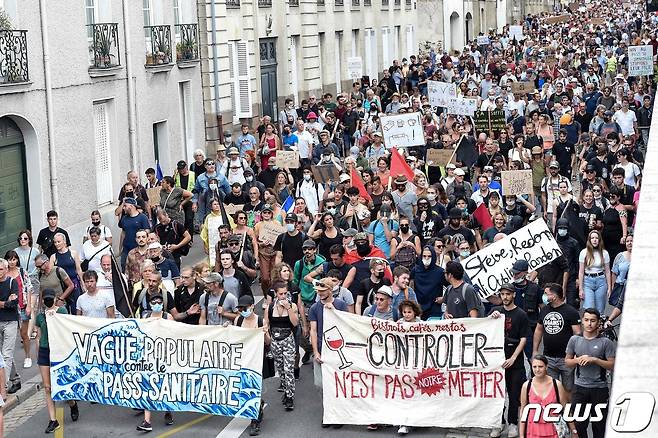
218, 306
8, 317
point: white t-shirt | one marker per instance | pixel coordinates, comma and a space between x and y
106, 233
597, 265
631, 173
625, 120
89, 253
304, 141
95, 306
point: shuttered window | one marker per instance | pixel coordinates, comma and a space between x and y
240, 78
371, 54
102, 143
411, 49
339, 56
386, 47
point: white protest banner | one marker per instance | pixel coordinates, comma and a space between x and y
483, 40
156, 364
516, 182
439, 93
384, 372
516, 31
402, 130
354, 67
640, 60
462, 106
213, 236
491, 266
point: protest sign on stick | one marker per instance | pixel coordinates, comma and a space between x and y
287, 159
325, 172
402, 130
439, 93
440, 157
516, 182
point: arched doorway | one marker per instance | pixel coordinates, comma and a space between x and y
14, 206
469, 26
455, 37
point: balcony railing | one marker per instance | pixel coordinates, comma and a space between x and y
293, 2
158, 43
339, 2
408, 2
233, 4
104, 45
356, 3
13, 57
264, 3
187, 45
397, 3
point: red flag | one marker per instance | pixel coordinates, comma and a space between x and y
399, 166
481, 214
358, 183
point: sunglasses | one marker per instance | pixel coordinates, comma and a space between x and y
39, 266
23, 238
233, 244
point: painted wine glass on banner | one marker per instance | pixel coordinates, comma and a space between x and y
334, 340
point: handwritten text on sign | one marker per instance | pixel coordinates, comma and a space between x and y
640, 60
402, 130
287, 159
516, 182
396, 372
156, 364
491, 266
462, 106
440, 93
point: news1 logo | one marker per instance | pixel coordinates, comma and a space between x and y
632, 412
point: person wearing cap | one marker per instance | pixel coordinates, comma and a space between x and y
235, 166
382, 308
459, 187
325, 148
217, 306
51, 306
266, 253
131, 221
450, 175
517, 332
202, 185
152, 285
310, 190
303, 267
288, 246
550, 189
250, 182
394, 105
528, 296
376, 148
455, 227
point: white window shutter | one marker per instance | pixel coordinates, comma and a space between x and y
386, 57
103, 168
243, 80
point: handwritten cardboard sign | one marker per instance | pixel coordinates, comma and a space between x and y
558, 19
154, 195
516, 182
287, 159
598, 21
486, 121
269, 231
516, 32
483, 40
325, 172
231, 209
440, 157
522, 87
439, 93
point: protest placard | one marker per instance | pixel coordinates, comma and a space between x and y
156, 364
440, 157
558, 19
491, 266
231, 209
269, 231
287, 159
462, 106
573, 6
483, 40
486, 121
213, 235
402, 130
439, 93
640, 60
516, 182
154, 195
325, 172
395, 373
551, 60
598, 21
516, 32
522, 87
354, 68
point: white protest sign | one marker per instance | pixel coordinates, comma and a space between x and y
483, 40
439, 93
462, 106
398, 372
402, 130
157, 364
640, 60
354, 67
491, 266
213, 237
516, 31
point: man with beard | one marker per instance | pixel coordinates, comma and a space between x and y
247, 263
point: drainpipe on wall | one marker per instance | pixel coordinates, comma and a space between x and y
215, 67
52, 164
132, 123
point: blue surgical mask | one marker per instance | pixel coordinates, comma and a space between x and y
544, 298
157, 307
465, 253
290, 227
246, 313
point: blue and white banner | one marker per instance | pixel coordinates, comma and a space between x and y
156, 364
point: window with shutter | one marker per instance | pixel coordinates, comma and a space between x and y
294, 86
386, 50
371, 54
240, 78
411, 50
103, 167
339, 55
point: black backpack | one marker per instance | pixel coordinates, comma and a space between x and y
405, 256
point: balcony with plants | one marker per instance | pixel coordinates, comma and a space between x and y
158, 48
104, 53
187, 45
13, 53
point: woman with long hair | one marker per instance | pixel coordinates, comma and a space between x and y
68, 259
268, 145
619, 272
325, 233
563, 201
216, 211
27, 252
615, 224
594, 279
303, 214
274, 201
383, 171
519, 152
266, 252
282, 186
420, 181
28, 298
242, 228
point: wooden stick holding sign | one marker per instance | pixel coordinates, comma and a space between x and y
516, 182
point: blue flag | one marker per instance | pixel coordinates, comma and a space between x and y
158, 171
288, 204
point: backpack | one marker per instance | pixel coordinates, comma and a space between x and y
405, 256
480, 305
220, 304
142, 299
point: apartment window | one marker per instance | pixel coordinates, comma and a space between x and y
294, 56
240, 81
102, 152
386, 47
355, 43
322, 49
187, 118
371, 54
338, 56
147, 12
411, 49
160, 142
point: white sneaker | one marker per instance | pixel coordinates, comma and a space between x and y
495, 432
512, 431
27, 363
403, 430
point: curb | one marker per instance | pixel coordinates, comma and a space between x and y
27, 390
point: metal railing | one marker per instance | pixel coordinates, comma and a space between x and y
293, 2
356, 3
13, 57
408, 2
187, 42
264, 3
104, 45
339, 3
232, 4
158, 45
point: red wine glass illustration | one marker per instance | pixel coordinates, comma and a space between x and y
335, 342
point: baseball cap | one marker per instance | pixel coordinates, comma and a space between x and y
266, 207
536, 150
460, 172
385, 290
554, 164
49, 293
181, 164
131, 201
361, 236
450, 166
507, 286
520, 266
155, 245
350, 232
376, 134
233, 151
234, 238
308, 243
291, 217
245, 301
155, 296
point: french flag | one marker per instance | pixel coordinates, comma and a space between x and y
288, 204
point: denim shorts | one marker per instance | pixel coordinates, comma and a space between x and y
22, 315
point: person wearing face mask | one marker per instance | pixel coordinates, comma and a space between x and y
367, 288
288, 246
250, 182
527, 297
427, 221
166, 267
406, 246
105, 232
455, 227
429, 282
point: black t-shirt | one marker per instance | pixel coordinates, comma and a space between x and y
593, 214
517, 327
557, 324
290, 247
533, 140
328, 266
486, 160
183, 300
367, 290
564, 153
460, 301
448, 231
45, 240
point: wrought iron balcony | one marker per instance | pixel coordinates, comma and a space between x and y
233, 4
293, 2
158, 43
356, 3
187, 46
264, 3
339, 2
104, 45
13, 57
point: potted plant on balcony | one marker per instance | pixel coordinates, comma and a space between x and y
185, 50
5, 22
102, 51
163, 53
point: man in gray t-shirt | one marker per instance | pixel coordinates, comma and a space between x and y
405, 199
592, 356
217, 305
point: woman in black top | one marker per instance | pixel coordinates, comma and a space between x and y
282, 319
326, 235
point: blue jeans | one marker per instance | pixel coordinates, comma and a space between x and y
596, 292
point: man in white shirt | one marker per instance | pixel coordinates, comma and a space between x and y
304, 143
626, 119
95, 303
